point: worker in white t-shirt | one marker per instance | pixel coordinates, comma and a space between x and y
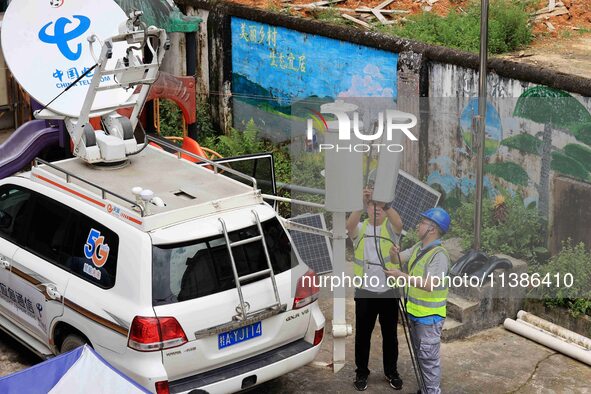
374, 299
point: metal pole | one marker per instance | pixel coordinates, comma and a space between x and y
479, 139
340, 328
191, 61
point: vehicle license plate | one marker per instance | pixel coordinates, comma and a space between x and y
239, 335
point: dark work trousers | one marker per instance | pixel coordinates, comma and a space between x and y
366, 312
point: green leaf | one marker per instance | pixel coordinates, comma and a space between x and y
580, 153
545, 105
568, 166
582, 132
508, 171
524, 142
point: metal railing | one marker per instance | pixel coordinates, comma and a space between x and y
216, 166
104, 191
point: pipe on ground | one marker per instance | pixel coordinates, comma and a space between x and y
531, 332
555, 329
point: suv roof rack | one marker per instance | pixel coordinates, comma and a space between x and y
185, 190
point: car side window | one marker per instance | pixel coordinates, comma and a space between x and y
73, 241
15, 209
93, 253
47, 232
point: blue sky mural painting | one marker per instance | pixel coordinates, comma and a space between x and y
273, 66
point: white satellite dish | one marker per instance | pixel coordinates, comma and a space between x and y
46, 47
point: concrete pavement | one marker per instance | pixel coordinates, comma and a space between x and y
492, 361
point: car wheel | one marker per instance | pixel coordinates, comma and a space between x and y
71, 342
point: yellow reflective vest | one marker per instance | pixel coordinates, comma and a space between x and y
359, 258
421, 303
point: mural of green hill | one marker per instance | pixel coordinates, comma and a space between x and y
490, 145
252, 93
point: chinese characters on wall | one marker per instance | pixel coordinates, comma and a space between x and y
267, 36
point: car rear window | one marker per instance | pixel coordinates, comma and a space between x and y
202, 267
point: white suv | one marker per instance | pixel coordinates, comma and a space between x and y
174, 291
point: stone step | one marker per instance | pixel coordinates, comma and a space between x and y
462, 309
453, 329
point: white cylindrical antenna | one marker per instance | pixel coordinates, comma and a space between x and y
158, 202
136, 192
343, 167
146, 195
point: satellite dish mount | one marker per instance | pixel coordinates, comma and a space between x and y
117, 141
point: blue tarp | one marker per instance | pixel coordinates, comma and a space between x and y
81, 370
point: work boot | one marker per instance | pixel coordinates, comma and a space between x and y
394, 379
360, 383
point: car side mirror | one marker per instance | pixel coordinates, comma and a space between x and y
5, 220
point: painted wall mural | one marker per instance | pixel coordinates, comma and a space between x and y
272, 67
557, 111
531, 132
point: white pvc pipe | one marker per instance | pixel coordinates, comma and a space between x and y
555, 329
546, 339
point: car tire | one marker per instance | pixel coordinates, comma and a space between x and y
71, 342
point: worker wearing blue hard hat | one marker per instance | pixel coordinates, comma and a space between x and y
439, 216
426, 302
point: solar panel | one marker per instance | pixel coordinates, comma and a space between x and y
315, 250
411, 198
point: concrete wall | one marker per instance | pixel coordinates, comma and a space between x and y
275, 68
437, 84
174, 61
572, 216
451, 156
202, 77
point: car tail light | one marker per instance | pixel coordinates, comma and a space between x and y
149, 334
162, 387
306, 291
318, 335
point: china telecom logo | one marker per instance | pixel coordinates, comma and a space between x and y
61, 38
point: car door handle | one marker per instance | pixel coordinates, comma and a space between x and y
4, 263
52, 292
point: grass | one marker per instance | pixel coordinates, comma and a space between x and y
509, 27
329, 15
